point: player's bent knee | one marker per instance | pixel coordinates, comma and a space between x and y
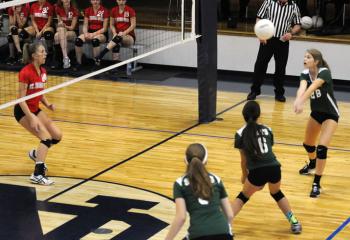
23, 34
308, 148
95, 42
47, 142
117, 39
14, 30
55, 141
243, 198
278, 195
321, 152
79, 42
48, 35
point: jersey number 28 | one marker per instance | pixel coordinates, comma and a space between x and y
316, 94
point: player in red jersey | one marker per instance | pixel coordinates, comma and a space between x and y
122, 23
67, 28
41, 13
32, 79
94, 29
18, 16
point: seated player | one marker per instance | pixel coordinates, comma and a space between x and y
41, 13
67, 28
18, 16
122, 24
94, 30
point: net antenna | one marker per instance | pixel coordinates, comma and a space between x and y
149, 40
183, 19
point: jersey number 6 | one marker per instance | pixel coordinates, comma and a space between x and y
263, 145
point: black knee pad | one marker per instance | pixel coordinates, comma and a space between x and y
116, 49
321, 152
308, 148
9, 38
23, 34
278, 195
242, 197
47, 142
48, 35
55, 141
79, 42
95, 42
14, 30
117, 39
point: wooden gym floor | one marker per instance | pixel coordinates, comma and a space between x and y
123, 148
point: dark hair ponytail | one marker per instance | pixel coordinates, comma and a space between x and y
28, 50
252, 131
197, 173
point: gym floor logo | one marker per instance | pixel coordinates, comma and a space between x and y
92, 210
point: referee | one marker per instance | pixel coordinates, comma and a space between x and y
285, 15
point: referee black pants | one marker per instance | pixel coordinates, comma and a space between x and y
279, 50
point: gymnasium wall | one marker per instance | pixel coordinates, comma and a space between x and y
239, 54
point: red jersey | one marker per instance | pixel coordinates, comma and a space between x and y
67, 17
96, 19
41, 14
23, 13
122, 20
36, 83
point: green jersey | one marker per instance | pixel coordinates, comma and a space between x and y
206, 217
322, 99
265, 144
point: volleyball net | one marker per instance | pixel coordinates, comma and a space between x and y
154, 33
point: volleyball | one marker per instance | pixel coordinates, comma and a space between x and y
306, 22
264, 29
317, 21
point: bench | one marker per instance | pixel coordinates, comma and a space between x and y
87, 49
130, 67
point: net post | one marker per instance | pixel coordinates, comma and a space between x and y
206, 26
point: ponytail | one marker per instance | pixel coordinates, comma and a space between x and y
199, 179
250, 136
252, 131
26, 58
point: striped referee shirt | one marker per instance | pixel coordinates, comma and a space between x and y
283, 16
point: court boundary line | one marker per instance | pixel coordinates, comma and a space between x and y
137, 154
96, 180
339, 229
121, 162
174, 132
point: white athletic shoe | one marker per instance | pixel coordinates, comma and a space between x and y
66, 62
40, 179
296, 228
32, 155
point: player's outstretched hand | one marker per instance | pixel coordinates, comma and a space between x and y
298, 106
51, 107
